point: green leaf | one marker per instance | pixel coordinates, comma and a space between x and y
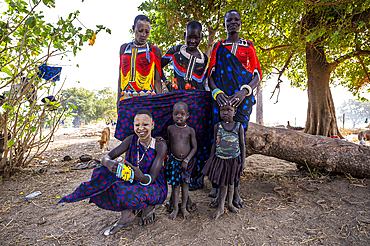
30, 22
10, 143
7, 71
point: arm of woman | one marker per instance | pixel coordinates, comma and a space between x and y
239, 96
221, 98
157, 83
157, 75
108, 160
119, 90
242, 145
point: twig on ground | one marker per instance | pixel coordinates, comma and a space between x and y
317, 238
37, 205
52, 236
7, 225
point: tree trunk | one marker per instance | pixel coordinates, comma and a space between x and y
321, 118
211, 39
323, 153
259, 111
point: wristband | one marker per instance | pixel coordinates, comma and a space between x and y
125, 172
150, 180
248, 88
215, 92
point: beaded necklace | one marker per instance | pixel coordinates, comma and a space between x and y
138, 152
181, 126
140, 45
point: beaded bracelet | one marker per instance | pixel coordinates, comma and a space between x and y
248, 88
150, 180
215, 92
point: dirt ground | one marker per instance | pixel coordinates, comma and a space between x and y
284, 206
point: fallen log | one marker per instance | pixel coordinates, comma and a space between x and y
323, 153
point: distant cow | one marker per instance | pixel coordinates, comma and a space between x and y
364, 136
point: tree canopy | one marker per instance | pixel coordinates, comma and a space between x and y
313, 44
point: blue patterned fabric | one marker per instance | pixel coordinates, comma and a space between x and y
229, 76
173, 172
112, 193
199, 103
48, 72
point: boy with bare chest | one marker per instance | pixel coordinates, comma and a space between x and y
183, 146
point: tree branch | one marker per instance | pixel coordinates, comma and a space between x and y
326, 4
279, 78
276, 47
341, 59
364, 67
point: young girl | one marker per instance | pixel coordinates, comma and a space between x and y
226, 163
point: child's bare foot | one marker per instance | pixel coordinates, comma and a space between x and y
237, 200
233, 209
185, 213
213, 193
173, 215
218, 213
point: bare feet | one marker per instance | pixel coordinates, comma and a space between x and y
213, 193
148, 216
173, 215
237, 200
185, 213
233, 209
190, 205
125, 220
218, 213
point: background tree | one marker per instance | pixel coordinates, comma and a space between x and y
105, 104
314, 44
83, 100
26, 42
92, 105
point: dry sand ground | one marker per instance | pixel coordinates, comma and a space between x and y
283, 207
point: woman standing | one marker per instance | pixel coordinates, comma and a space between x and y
140, 64
234, 73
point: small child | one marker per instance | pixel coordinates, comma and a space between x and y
226, 162
183, 146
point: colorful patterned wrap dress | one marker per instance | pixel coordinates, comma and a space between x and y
137, 70
233, 65
189, 71
112, 193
